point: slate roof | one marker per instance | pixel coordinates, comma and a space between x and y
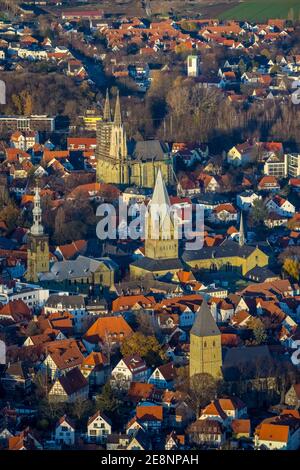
261, 273
204, 324
153, 265
150, 150
67, 301
247, 360
227, 249
73, 381
72, 269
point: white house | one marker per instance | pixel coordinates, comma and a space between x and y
246, 199
281, 206
186, 318
163, 377
65, 432
277, 437
98, 428
224, 213
129, 369
224, 410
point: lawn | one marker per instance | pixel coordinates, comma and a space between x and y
261, 10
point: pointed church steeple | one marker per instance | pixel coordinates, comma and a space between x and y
106, 112
160, 193
161, 241
204, 324
117, 115
242, 231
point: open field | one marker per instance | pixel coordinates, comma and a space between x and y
261, 10
251, 10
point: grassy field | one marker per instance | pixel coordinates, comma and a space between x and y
261, 10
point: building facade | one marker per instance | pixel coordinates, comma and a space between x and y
205, 344
117, 164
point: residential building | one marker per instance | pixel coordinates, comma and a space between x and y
65, 432
98, 428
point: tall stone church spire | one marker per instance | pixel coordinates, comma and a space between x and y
160, 194
161, 241
106, 112
242, 231
117, 115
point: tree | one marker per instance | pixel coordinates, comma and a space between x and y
203, 388
107, 401
145, 346
80, 408
10, 214
260, 335
145, 323
292, 267
60, 223
259, 331
259, 212
50, 410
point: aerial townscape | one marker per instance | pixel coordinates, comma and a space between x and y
115, 336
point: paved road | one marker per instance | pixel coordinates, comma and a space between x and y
94, 69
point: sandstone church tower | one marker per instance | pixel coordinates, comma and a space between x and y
160, 242
161, 238
205, 344
38, 244
112, 165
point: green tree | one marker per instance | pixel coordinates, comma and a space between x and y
107, 401
145, 346
259, 212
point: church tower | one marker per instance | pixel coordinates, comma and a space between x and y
205, 344
38, 244
161, 241
112, 165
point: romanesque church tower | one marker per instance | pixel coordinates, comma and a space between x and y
38, 244
205, 344
112, 165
